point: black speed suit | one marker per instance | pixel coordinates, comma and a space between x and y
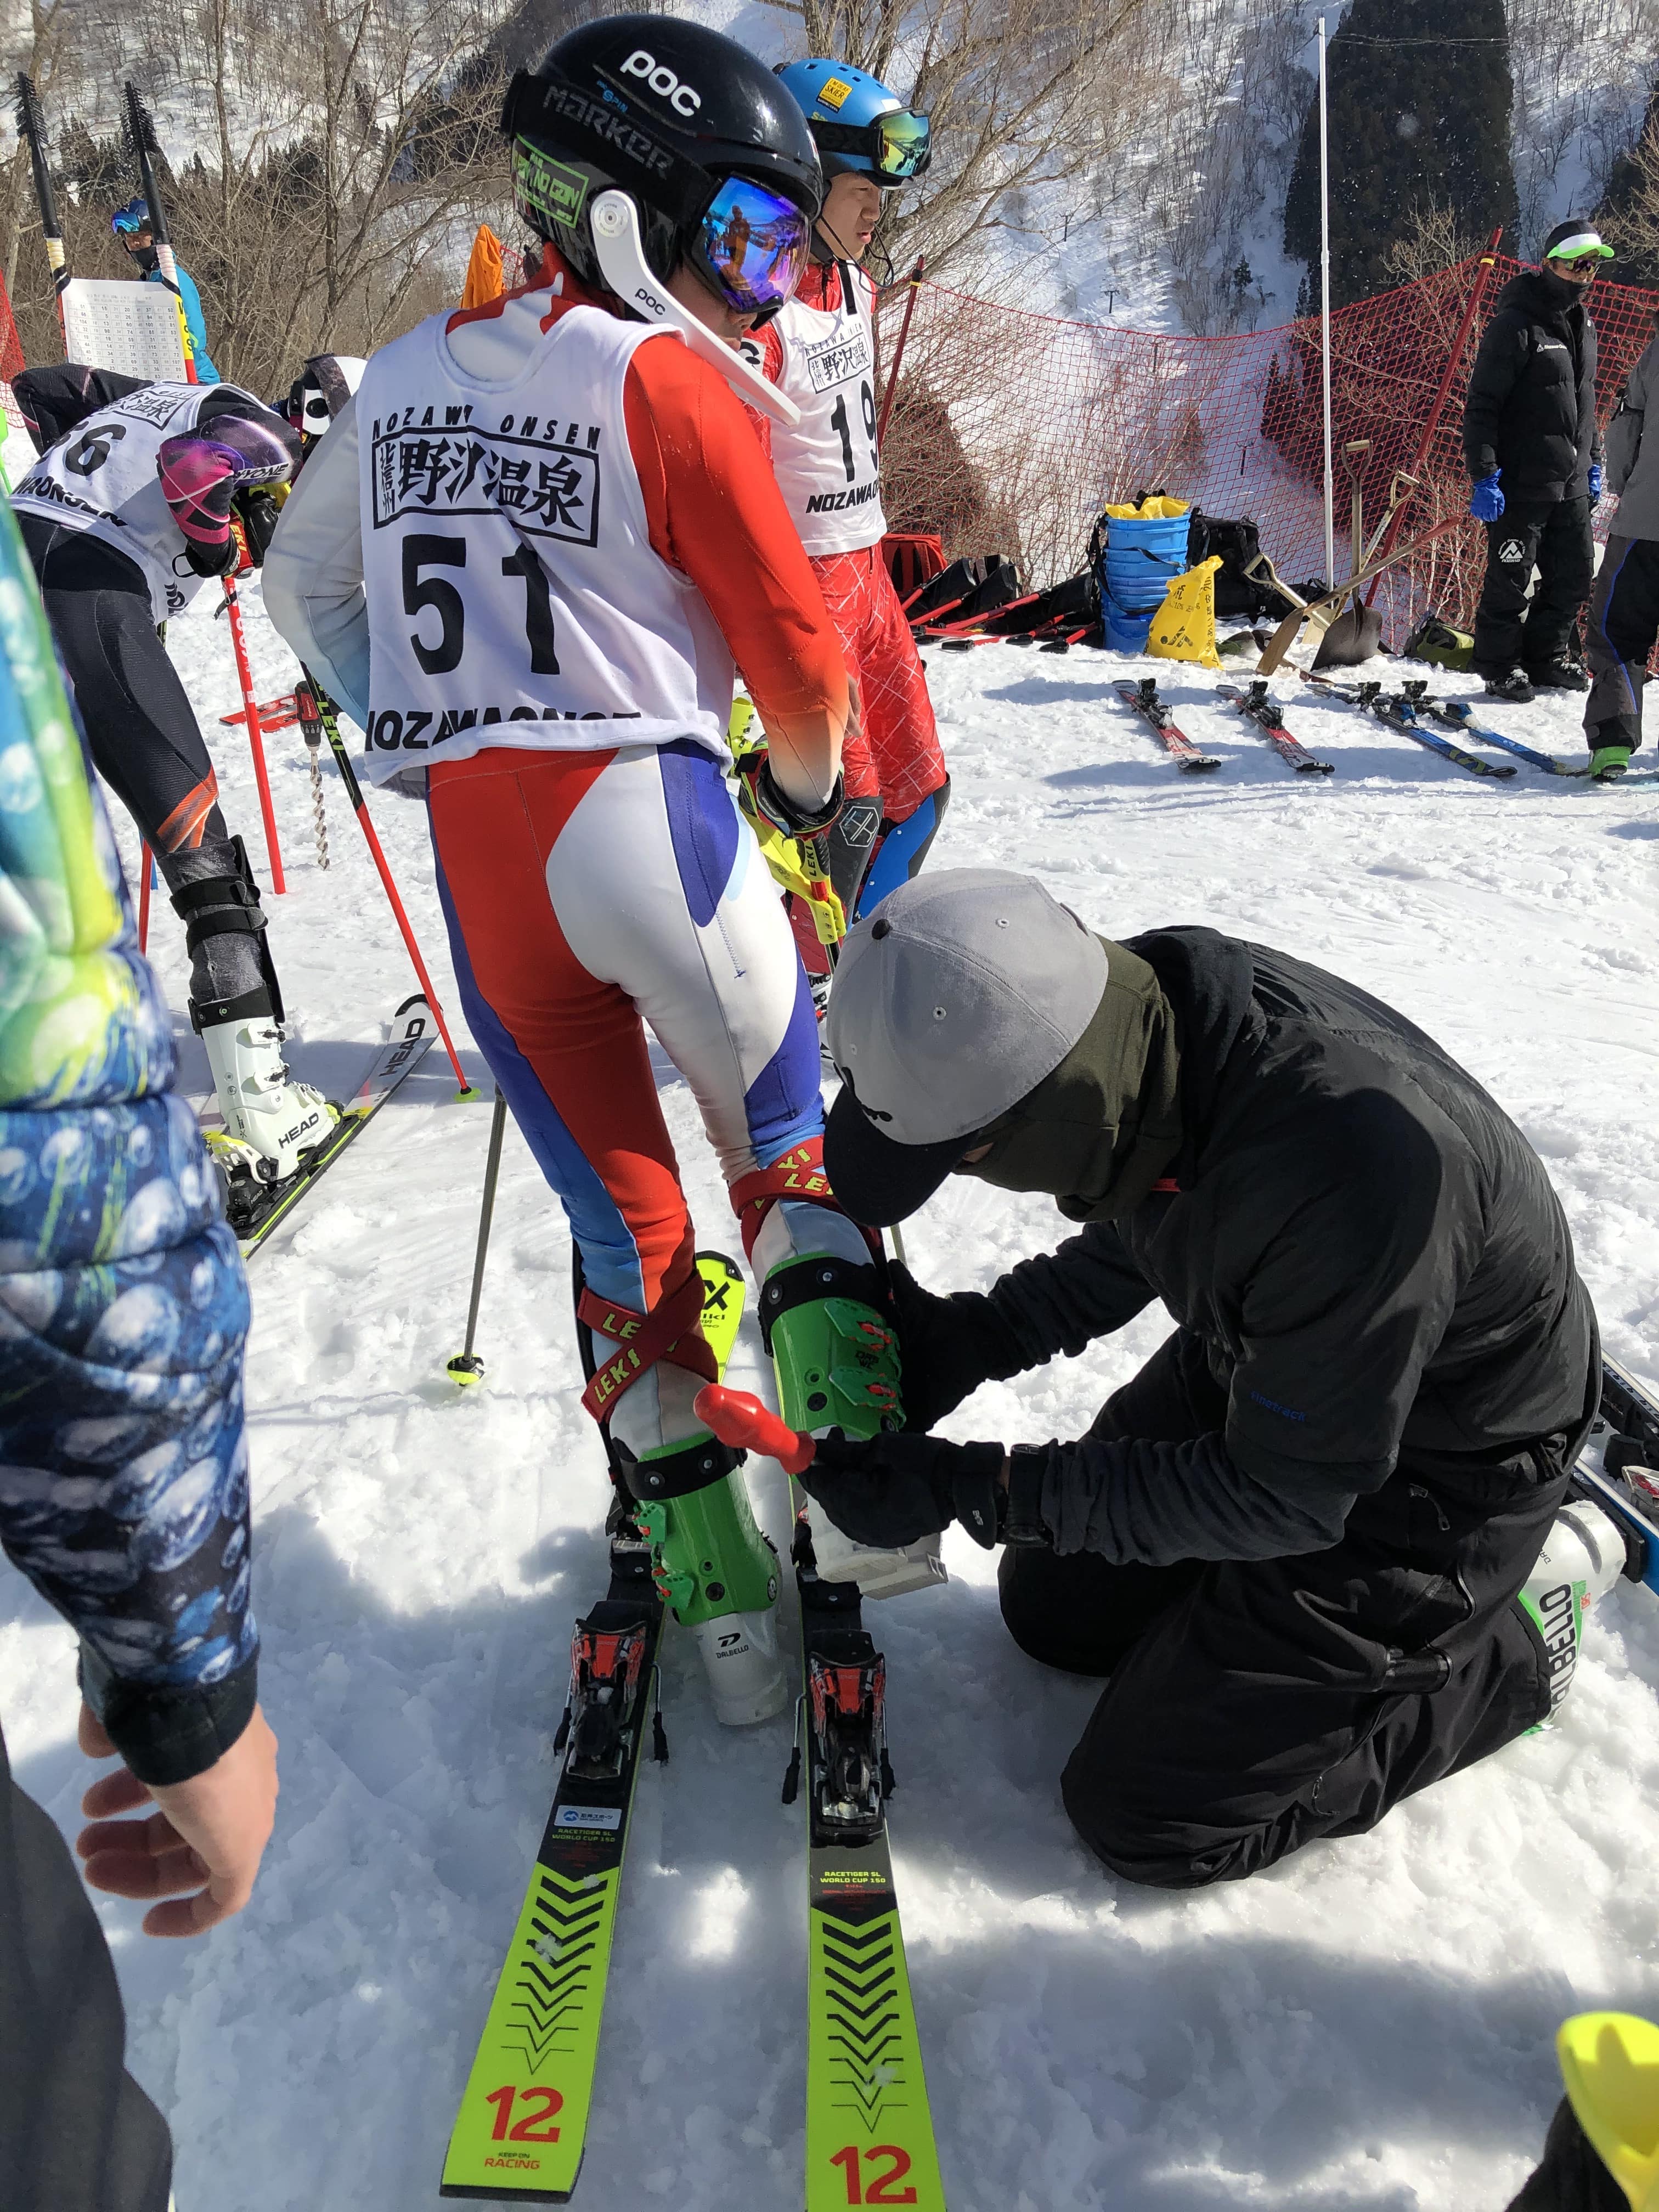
1531, 412
1330, 1483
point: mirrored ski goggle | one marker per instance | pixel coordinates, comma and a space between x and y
753, 244
899, 145
127, 221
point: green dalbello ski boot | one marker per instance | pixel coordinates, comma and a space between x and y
711, 1564
834, 1350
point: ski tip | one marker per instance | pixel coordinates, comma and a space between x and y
466, 1368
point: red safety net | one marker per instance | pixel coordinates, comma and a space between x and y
11, 358
1011, 431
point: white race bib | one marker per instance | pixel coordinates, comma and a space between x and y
102, 479
513, 596
827, 466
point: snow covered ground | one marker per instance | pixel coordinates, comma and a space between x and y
1368, 2026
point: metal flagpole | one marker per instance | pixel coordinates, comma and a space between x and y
1324, 312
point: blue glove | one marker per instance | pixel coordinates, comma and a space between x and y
1487, 503
1598, 479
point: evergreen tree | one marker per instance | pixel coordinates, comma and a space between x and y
1419, 94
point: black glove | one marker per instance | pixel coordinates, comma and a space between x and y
887, 1490
214, 560
765, 799
947, 1347
257, 513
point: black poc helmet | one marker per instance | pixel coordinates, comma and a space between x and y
664, 110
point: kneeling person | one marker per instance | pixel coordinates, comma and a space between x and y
1294, 1542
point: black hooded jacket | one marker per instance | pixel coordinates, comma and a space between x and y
1531, 404
1369, 1249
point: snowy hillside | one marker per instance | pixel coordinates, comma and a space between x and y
1366, 2028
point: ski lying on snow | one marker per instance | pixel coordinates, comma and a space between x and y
522, 2124
1143, 697
1455, 714
869, 2129
1258, 707
413, 1033
1402, 714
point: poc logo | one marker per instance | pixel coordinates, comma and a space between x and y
663, 81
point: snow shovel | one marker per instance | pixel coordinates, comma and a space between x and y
1319, 610
1357, 632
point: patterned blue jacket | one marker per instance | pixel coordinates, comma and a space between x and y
123, 1306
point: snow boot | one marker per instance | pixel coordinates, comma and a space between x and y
1584, 1556
1608, 764
1564, 673
1513, 685
271, 1122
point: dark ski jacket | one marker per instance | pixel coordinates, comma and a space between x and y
1531, 404
1369, 1249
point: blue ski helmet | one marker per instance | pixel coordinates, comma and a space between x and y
858, 123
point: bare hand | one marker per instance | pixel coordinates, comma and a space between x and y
206, 1835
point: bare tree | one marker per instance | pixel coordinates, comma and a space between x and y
1430, 240
340, 153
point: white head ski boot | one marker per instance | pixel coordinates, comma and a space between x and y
271, 1122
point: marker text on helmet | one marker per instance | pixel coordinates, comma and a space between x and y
663, 81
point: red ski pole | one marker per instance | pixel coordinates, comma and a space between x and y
146, 868
890, 393
306, 700
251, 715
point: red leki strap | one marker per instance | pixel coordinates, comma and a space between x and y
797, 1173
668, 1331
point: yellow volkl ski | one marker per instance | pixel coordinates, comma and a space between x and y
523, 2117
869, 2131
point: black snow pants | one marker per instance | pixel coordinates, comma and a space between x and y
77, 2132
1624, 625
1255, 1704
1552, 536
144, 735
146, 745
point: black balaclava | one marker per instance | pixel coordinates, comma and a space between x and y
1099, 1131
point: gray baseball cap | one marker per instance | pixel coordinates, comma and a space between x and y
950, 1003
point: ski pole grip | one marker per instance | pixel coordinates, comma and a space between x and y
739, 1419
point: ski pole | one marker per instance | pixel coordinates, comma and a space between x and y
466, 1367
33, 130
142, 133
146, 870
309, 700
233, 607
888, 397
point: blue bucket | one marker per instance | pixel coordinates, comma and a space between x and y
1126, 632
1142, 558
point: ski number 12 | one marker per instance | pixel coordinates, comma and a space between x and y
541, 2105
871, 2187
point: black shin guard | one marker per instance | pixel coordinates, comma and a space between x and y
232, 975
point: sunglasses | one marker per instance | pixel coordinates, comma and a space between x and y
898, 145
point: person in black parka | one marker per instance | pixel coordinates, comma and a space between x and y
1535, 454
1294, 1542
